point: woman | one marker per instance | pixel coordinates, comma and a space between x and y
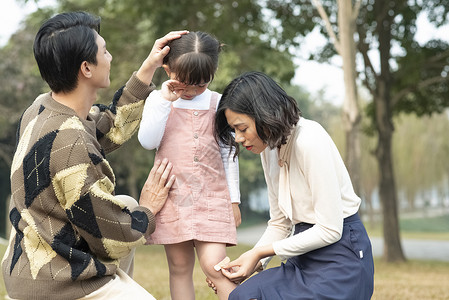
329, 254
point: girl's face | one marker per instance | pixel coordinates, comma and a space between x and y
191, 91
245, 131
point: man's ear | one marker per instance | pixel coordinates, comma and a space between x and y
85, 69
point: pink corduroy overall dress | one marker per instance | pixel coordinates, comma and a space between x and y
198, 205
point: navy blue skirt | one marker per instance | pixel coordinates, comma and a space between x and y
343, 270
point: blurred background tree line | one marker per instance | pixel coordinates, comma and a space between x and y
408, 88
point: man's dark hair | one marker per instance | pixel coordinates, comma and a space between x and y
62, 43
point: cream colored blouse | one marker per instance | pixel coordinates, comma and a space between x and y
312, 186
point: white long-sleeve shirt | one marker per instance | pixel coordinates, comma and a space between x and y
320, 193
154, 120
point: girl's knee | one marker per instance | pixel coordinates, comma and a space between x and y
210, 272
180, 258
209, 255
214, 275
181, 267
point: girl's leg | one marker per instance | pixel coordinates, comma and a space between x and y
209, 254
181, 260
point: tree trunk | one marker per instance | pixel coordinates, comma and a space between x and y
387, 192
351, 109
384, 125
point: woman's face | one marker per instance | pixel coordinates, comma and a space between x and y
245, 131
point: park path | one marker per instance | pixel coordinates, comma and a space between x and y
413, 249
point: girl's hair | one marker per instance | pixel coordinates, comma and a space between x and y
62, 43
262, 99
193, 57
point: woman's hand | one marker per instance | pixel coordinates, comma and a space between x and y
171, 90
154, 59
243, 267
248, 263
155, 190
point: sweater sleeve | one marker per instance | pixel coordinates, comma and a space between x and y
116, 123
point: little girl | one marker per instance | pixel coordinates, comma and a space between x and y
178, 121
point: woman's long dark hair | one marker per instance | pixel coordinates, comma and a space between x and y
257, 95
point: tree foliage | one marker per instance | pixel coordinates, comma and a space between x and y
421, 152
410, 63
254, 39
130, 29
400, 74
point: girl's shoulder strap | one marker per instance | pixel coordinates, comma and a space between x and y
213, 101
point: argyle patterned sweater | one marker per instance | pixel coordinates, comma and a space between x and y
68, 229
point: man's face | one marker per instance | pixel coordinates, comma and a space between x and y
101, 71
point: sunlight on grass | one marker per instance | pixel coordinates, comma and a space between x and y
411, 280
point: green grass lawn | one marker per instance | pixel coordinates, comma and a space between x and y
411, 280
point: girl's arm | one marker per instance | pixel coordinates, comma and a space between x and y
231, 168
154, 118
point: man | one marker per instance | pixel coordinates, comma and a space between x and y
69, 230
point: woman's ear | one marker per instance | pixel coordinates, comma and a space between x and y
85, 69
